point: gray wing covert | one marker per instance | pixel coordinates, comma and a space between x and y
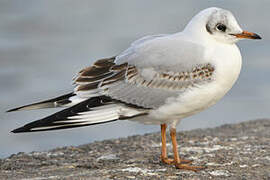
151, 89
143, 87
164, 53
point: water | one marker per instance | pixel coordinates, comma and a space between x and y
44, 43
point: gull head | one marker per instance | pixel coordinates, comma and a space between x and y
219, 25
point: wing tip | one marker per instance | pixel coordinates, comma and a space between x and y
20, 130
51, 103
14, 109
14, 131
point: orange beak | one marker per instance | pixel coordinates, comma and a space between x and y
247, 35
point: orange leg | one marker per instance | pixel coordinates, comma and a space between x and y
164, 157
180, 163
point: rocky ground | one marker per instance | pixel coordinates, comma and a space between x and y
239, 151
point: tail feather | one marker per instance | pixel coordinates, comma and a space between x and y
51, 103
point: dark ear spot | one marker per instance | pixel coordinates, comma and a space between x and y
208, 28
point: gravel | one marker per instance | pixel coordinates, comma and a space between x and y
238, 151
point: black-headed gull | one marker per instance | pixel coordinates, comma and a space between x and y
159, 79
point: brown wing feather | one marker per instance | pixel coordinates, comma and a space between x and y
104, 73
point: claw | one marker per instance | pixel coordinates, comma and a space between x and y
171, 161
187, 167
167, 161
185, 161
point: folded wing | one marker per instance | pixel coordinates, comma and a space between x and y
144, 87
93, 111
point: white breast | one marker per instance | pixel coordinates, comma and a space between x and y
227, 61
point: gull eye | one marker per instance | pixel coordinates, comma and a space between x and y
221, 27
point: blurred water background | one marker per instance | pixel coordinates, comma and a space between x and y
44, 43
